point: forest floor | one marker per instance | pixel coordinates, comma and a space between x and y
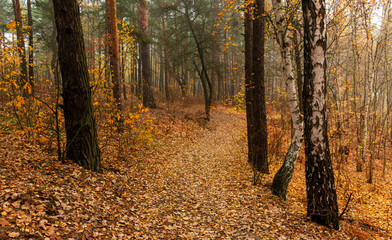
192, 181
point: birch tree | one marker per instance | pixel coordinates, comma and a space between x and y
285, 173
322, 206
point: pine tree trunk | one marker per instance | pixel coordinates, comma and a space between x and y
248, 26
166, 75
148, 97
259, 132
322, 204
216, 55
114, 54
82, 144
285, 173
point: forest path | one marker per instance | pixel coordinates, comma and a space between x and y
199, 178
202, 188
195, 183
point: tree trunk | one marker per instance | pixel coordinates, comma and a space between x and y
208, 86
259, 141
54, 47
123, 61
31, 45
23, 79
216, 55
82, 144
114, 55
148, 97
322, 206
285, 173
300, 83
248, 26
166, 75
139, 75
359, 164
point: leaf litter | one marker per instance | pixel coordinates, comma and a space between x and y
192, 183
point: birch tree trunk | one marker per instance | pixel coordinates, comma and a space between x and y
285, 173
298, 65
322, 206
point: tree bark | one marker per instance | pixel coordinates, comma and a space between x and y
216, 54
259, 138
23, 79
166, 75
114, 55
248, 27
208, 86
359, 164
285, 173
322, 206
31, 45
148, 97
82, 144
300, 83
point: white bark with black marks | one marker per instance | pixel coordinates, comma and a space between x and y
285, 173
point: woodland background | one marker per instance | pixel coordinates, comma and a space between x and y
170, 173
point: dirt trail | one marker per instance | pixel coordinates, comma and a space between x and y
192, 185
204, 190
197, 181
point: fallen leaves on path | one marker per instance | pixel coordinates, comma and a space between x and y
192, 183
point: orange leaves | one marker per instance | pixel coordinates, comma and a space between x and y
11, 25
4, 222
194, 183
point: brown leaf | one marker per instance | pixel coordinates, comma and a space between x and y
4, 222
14, 234
87, 235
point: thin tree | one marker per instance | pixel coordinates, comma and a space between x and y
82, 144
148, 97
248, 35
285, 173
114, 54
31, 44
202, 71
166, 74
21, 45
322, 204
217, 52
